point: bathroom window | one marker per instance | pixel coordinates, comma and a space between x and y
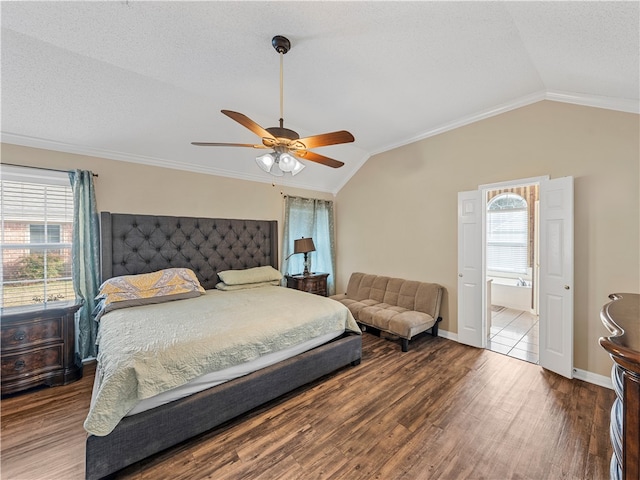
507, 234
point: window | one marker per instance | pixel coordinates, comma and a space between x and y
43, 233
507, 234
310, 218
36, 213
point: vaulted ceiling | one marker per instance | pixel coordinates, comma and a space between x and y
139, 81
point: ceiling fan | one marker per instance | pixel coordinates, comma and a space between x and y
285, 143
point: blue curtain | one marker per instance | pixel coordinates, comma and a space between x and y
85, 254
310, 218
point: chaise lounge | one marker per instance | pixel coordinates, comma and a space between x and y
394, 305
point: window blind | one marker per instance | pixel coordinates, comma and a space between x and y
36, 214
507, 241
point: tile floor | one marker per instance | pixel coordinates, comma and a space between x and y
514, 333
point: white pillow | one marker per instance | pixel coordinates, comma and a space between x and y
250, 275
244, 286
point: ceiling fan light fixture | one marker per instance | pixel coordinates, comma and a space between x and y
299, 166
266, 161
277, 163
287, 162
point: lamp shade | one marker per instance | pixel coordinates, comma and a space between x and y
278, 162
266, 161
299, 166
287, 162
303, 245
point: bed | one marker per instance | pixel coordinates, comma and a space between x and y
139, 244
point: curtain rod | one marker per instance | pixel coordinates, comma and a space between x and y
42, 168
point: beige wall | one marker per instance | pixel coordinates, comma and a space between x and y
123, 187
398, 215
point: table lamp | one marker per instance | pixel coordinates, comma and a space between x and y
304, 245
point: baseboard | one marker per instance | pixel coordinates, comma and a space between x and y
584, 375
595, 378
447, 335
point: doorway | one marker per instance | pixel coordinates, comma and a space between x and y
554, 279
511, 270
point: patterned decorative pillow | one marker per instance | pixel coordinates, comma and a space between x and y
250, 275
147, 288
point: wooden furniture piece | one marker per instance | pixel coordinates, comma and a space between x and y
133, 244
38, 346
621, 317
313, 283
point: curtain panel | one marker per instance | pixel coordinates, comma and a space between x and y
309, 218
85, 255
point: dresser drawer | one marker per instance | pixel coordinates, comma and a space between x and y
315, 285
31, 333
312, 283
35, 361
38, 346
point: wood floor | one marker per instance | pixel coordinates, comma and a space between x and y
440, 411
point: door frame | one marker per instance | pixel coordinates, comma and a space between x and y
484, 189
560, 339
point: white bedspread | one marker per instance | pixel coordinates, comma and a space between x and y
149, 349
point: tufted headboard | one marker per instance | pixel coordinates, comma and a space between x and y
133, 244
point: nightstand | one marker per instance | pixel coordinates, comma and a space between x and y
38, 346
313, 283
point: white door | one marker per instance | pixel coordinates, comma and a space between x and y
556, 275
470, 272
536, 258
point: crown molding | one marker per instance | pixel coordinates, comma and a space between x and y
346, 178
34, 142
627, 105
474, 117
609, 103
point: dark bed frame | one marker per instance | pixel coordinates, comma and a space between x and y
133, 244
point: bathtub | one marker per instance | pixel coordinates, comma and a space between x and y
507, 292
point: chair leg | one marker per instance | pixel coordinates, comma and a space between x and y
405, 344
434, 329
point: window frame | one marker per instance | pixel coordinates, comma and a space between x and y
523, 211
59, 216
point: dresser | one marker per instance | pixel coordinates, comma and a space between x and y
621, 317
38, 346
312, 283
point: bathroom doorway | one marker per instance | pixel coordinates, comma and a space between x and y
552, 281
511, 246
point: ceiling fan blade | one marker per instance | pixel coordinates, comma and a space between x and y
219, 144
315, 157
248, 123
324, 139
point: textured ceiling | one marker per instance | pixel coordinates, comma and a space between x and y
139, 81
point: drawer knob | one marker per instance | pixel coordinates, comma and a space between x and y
20, 364
19, 335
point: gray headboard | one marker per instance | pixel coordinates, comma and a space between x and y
133, 244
